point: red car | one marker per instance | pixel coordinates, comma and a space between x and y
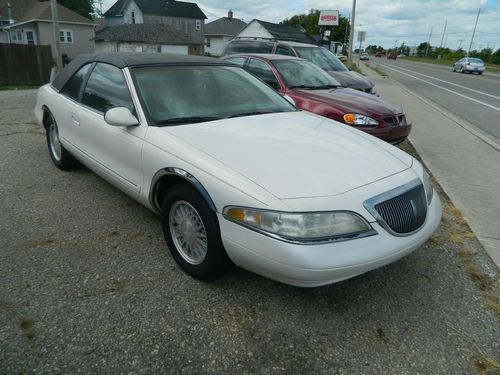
316, 91
392, 56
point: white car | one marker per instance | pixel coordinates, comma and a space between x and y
236, 172
469, 65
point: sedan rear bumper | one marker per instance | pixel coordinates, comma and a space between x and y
321, 264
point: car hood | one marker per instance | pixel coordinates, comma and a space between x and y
294, 154
352, 79
350, 100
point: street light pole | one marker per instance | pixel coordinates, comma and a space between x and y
474, 32
351, 34
55, 23
428, 43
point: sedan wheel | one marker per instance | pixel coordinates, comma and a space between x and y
61, 158
192, 232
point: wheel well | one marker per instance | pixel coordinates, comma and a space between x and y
170, 179
46, 114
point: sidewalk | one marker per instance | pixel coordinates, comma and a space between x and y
466, 167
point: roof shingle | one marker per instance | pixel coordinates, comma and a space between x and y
224, 26
150, 33
170, 8
290, 33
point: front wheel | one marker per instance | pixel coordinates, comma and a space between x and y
61, 158
479, 73
192, 232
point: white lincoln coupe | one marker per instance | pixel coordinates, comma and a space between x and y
235, 171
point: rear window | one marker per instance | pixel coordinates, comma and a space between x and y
476, 61
248, 47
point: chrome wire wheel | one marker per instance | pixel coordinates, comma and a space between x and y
55, 144
188, 232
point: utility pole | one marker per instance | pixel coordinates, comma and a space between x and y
474, 32
351, 34
445, 40
441, 44
428, 43
55, 23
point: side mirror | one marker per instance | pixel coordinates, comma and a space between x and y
120, 116
290, 100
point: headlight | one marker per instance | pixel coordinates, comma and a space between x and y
373, 90
429, 190
303, 227
357, 119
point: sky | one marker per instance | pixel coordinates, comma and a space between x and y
386, 22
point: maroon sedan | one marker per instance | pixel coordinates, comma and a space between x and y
316, 91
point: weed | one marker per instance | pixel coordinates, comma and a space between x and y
28, 326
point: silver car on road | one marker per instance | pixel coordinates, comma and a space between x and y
470, 65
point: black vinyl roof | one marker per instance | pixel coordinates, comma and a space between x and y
122, 60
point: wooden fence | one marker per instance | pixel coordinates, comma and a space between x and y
24, 64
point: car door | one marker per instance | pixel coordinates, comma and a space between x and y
114, 151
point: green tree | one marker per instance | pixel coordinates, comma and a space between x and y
310, 23
495, 57
82, 7
422, 48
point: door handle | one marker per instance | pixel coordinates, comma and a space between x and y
75, 119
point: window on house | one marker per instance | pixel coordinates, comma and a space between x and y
66, 36
30, 37
133, 17
16, 36
198, 24
207, 42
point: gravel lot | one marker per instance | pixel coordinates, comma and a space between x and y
87, 285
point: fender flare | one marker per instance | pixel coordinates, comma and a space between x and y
186, 176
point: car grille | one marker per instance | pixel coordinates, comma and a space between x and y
395, 120
403, 210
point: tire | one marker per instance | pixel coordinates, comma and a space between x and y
186, 214
479, 73
61, 158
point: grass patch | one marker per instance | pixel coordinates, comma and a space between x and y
17, 87
376, 69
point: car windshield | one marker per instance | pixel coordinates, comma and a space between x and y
303, 74
321, 57
188, 94
476, 61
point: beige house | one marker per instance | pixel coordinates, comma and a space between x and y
30, 22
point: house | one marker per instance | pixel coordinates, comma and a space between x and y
185, 18
266, 30
218, 33
145, 37
30, 22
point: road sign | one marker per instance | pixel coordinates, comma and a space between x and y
328, 18
361, 36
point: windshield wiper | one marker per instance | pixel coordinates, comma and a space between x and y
187, 120
321, 87
250, 114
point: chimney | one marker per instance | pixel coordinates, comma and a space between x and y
10, 17
230, 15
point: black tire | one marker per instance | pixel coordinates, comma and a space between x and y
61, 158
215, 260
479, 73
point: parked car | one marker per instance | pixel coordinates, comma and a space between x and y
364, 56
313, 90
378, 54
469, 65
235, 171
341, 57
320, 56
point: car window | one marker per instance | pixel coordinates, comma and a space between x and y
237, 60
248, 47
74, 84
302, 73
261, 70
176, 92
107, 88
282, 50
476, 61
321, 57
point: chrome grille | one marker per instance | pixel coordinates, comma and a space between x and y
402, 210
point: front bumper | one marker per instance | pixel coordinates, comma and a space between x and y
321, 264
392, 134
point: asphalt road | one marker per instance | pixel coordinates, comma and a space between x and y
87, 285
473, 97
